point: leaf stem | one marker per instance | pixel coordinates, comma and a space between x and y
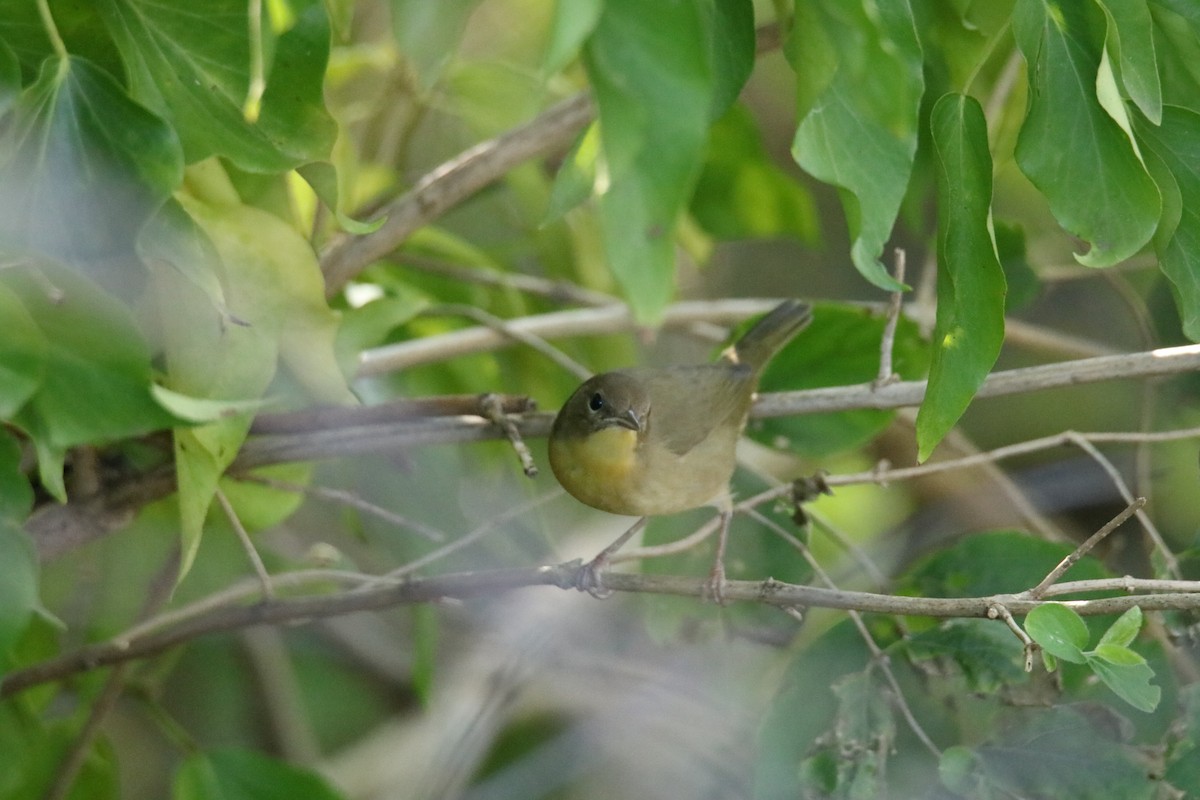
56, 41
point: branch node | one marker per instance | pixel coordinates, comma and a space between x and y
492, 410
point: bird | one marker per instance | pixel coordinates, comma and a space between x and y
651, 441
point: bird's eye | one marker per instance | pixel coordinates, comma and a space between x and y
596, 402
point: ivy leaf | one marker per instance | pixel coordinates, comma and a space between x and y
1059, 630
193, 69
1069, 146
859, 76
969, 330
78, 148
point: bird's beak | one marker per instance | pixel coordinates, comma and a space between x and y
629, 419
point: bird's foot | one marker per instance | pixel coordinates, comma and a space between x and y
588, 578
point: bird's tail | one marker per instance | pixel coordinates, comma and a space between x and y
768, 336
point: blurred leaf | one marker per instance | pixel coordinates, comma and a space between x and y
986, 652
322, 177
16, 495
1131, 42
245, 775
576, 178
200, 409
1124, 630
859, 78
78, 148
10, 77
992, 562
1022, 282
22, 354
1127, 674
651, 70
18, 580
93, 351
1059, 752
969, 330
276, 294
428, 33
193, 69
741, 193
1177, 49
574, 21
1069, 146
1177, 144
840, 347
260, 507
956, 770
1059, 630
733, 44
369, 324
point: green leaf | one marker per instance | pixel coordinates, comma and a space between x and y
651, 70
95, 374
10, 78
16, 495
194, 70
428, 33
77, 148
1059, 630
859, 76
982, 649
992, 562
18, 580
1176, 143
969, 330
840, 347
1069, 146
1127, 674
576, 178
1177, 48
733, 47
200, 409
1131, 41
741, 193
574, 21
246, 775
22, 354
1124, 630
276, 295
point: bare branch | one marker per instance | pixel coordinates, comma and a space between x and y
1085, 548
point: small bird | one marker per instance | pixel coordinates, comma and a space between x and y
650, 441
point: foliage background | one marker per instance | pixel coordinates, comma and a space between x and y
185, 200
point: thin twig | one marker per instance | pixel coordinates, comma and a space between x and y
352, 500
452, 182
464, 585
256, 561
887, 342
533, 342
1086, 547
556, 290
1001, 611
1160, 544
490, 406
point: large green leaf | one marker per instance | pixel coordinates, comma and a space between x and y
1177, 144
969, 330
1131, 43
1177, 50
840, 347
22, 354
652, 72
18, 582
859, 77
192, 67
82, 166
1070, 147
276, 309
95, 376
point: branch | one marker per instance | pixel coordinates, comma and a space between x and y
489, 583
451, 183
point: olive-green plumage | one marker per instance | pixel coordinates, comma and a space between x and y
648, 441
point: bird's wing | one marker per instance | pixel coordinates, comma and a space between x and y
716, 393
